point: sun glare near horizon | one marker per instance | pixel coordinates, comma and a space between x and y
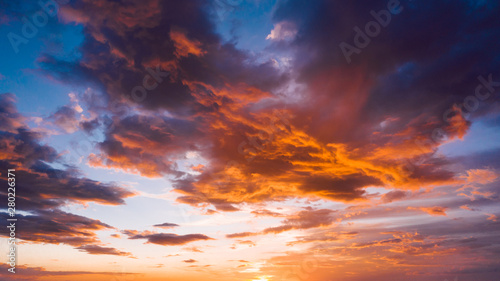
250, 140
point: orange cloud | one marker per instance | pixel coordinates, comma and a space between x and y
433, 211
185, 46
198, 168
492, 217
480, 176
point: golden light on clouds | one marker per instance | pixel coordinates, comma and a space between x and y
227, 140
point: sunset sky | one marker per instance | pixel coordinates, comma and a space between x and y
251, 140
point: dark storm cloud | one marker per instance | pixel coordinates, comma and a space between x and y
427, 58
371, 122
389, 102
123, 40
130, 45
209, 82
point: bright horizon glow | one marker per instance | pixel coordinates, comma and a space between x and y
248, 140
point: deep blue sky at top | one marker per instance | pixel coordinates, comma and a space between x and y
246, 25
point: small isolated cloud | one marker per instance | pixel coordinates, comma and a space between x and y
211, 212
189, 261
193, 249
492, 217
198, 168
241, 234
166, 225
74, 100
166, 239
284, 30
465, 207
250, 243
433, 211
168, 256
98, 250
